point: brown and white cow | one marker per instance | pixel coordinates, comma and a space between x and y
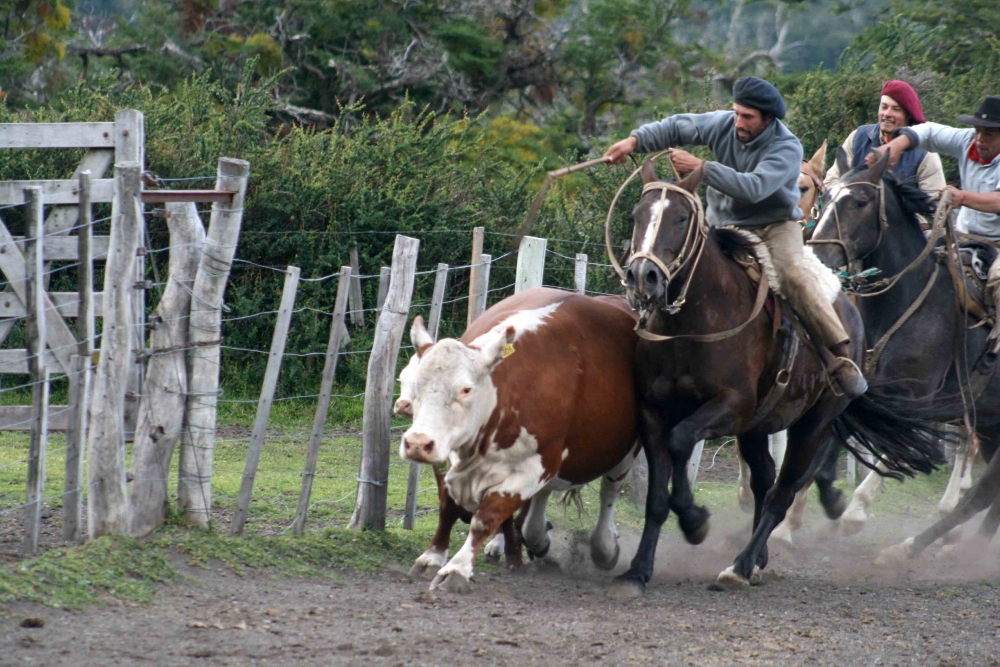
536, 397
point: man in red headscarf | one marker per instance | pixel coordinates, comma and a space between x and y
899, 107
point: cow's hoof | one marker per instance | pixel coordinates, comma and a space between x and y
851, 524
424, 571
452, 582
494, 549
946, 551
602, 561
895, 555
729, 580
626, 589
757, 577
953, 536
781, 535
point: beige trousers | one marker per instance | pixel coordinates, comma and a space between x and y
800, 286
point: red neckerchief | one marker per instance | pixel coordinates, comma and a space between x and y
974, 155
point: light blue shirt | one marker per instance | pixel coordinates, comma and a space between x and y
975, 177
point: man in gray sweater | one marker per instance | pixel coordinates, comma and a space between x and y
753, 184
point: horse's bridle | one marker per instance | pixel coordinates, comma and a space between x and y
816, 210
883, 223
690, 251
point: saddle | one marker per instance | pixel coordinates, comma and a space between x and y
976, 257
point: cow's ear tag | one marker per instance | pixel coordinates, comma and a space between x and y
508, 350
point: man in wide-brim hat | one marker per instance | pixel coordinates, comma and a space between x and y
978, 153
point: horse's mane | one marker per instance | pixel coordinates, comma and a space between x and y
912, 200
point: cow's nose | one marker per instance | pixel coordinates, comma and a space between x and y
403, 407
419, 446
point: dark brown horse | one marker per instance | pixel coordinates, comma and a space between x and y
712, 375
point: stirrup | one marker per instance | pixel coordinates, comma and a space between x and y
833, 378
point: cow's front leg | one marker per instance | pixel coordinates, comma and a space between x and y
449, 512
604, 549
493, 510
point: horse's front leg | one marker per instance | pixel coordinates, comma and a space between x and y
716, 417
494, 509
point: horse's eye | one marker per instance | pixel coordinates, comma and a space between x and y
804, 189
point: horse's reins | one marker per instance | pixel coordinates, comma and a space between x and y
690, 253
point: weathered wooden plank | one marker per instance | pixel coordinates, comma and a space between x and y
67, 304
76, 439
478, 236
270, 383
383, 287
412, 489
337, 331
181, 196
580, 273
66, 248
35, 335
59, 337
369, 509
19, 417
15, 361
482, 285
194, 482
85, 330
530, 263
57, 135
107, 501
63, 191
164, 391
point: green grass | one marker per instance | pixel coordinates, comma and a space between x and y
131, 569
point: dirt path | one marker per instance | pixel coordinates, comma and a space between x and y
828, 606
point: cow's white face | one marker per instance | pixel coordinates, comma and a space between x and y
404, 404
453, 394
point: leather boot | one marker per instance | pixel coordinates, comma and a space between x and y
845, 374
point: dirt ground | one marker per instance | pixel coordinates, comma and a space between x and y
826, 605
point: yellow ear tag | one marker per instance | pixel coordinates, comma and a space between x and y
508, 350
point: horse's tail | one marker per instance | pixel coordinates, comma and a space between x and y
901, 432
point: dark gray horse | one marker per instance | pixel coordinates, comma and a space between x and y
871, 220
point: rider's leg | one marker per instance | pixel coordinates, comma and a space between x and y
993, 291
804, 294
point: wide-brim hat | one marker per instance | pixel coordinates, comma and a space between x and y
987, 115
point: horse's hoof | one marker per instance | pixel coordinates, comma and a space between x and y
836, 508
452, 582
603, 563
895, 555
424, 571
946, 551
626, 589
757, 577
782, 534
852, 524
696, 531
540, 553
729, 580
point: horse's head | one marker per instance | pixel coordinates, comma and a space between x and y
852, 224
664, 237
811, 182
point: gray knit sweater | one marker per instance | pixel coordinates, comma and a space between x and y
751, 184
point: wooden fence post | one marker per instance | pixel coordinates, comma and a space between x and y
107, 509
483, 285
478, 236
383, 288
130, 143
337, 330
35, 330
530, 263
266, 397
369, 509
437, 300
357, 309
164, 391
694, 463
852, 471
413, 479
580, 273
79, 382
194, 481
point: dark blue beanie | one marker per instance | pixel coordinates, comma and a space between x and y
759, 94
